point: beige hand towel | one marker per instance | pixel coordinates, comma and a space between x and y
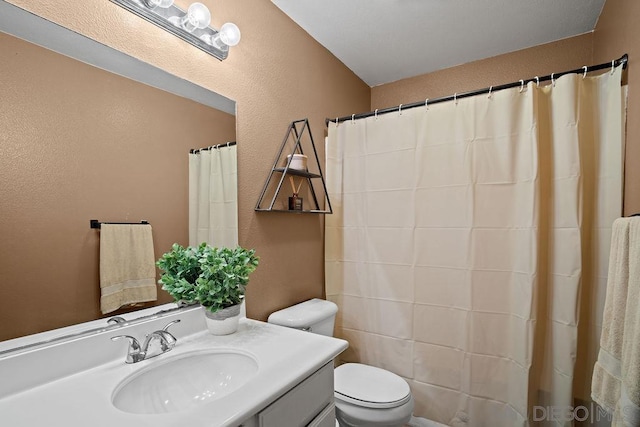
127, 266
616, 377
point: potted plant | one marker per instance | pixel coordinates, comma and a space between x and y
214, 277
181, 268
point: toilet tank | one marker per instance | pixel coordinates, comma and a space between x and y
315, 315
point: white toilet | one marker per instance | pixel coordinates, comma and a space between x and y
364, 395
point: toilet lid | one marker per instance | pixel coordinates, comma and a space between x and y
369, 386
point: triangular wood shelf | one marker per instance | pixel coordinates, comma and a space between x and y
297, 140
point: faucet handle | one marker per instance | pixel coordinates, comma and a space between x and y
166, 328
116, 320
171, 339
134, 353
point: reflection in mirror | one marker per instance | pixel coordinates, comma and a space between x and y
79, 143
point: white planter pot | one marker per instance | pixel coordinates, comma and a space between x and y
223, 322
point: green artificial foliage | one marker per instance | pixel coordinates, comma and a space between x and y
181, 268
213, 277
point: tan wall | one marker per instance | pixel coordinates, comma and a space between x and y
79, 143
277, 74
540, 60
617, 33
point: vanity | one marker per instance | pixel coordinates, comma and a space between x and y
262, 375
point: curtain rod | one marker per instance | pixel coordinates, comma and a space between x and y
617, 62
211, 147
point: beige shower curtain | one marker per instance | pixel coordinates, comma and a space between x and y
213, 201
469, 245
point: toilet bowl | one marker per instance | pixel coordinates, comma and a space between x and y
364, 395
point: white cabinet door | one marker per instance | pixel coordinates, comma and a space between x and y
303, 403
326, 418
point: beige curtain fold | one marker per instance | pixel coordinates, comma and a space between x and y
469, 243
213, 197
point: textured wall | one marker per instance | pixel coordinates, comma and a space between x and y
277, 74
536, 61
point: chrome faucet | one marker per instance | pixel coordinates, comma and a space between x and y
155, 343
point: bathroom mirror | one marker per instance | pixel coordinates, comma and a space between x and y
86, 132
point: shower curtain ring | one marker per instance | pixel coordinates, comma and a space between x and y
426, 104
537, 81
613, 66
490, 90
352, 119
455, 98
553, 81
400, 109
337, 122
584, 74
521, 85
376, 114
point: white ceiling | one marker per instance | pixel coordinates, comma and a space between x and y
387, 40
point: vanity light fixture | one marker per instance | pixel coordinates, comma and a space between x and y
191, 25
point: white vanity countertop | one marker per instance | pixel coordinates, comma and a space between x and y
285, 357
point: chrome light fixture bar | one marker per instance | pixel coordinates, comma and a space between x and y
191, 25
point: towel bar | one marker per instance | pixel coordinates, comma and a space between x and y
94, 223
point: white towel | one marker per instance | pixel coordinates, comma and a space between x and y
127, 266
616, 376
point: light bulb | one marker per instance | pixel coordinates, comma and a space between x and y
197, 16
229, 35
159, 3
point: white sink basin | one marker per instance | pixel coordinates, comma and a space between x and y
183, 381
